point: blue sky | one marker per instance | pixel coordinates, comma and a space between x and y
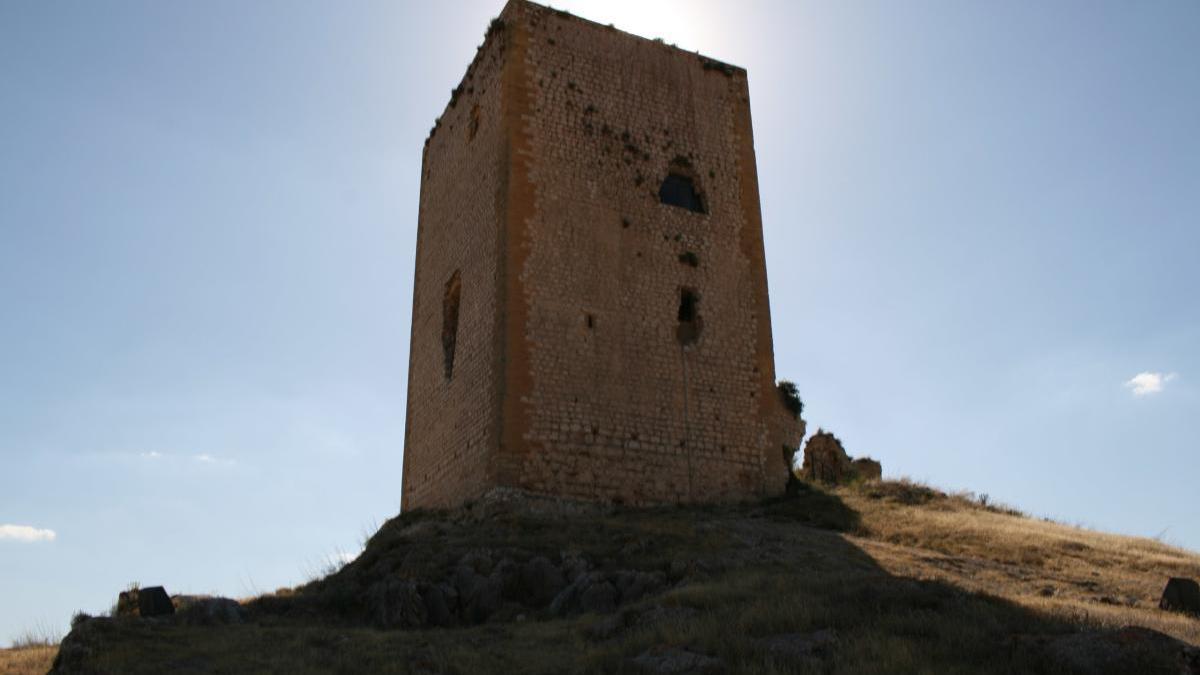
981, 220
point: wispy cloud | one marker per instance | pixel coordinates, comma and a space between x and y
205, 458
153, 454
1147, 383
25, 533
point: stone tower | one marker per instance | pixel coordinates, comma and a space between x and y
590, 313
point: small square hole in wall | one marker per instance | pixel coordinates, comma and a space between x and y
589, 320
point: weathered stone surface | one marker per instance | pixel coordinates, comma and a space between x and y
614, 624
553, 281
145, 602
633, 585
573, 566
599, 597
396, 603
478, 596
570, 599
541, 581
677, 661
208, 610
1132, 649
797, 647
825, 461
1181, 595
867, 469
507, 576
440, 601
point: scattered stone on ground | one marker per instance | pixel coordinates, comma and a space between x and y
1181, 595
612, 625
798, 647
664, 660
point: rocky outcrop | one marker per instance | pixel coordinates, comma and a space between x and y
484, 586
151, 601
207, 610
825, 461
1132, 649
787, 430
395, 603
800, 649
1181, 595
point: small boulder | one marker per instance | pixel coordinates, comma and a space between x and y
507, 575
663, 660
541, 581
479, 560
439, 604
799, 646
396, 603
674, 614
479, 596
599, 598
574, 566
634, 585
1181, 595
1132, 649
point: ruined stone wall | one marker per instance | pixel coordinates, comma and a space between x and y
578, 384
452, 423
617, 407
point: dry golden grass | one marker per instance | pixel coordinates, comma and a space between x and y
1068, 572
27, 660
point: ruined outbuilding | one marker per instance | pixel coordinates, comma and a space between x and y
826, 461
590, 311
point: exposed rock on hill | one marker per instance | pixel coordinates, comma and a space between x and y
873, 577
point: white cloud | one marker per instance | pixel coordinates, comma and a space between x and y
205, 458
25, 533
153, 454
1149, 383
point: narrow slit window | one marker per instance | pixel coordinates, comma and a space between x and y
690, 324
679, 190
450, 305
473, 125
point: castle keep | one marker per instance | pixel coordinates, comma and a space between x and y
590, 314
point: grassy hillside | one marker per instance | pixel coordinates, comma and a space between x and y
883, 577
27, 659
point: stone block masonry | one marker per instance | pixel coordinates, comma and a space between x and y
590, 312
